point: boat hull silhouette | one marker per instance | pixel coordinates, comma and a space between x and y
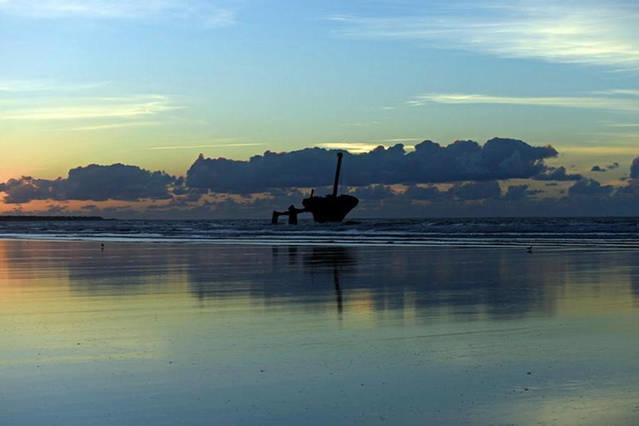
330, 208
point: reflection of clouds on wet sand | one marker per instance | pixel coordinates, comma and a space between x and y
598, 407
498, 283
634, 278
332, 335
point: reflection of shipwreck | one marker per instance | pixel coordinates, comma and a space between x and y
330, 208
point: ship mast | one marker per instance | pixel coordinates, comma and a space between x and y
337, 172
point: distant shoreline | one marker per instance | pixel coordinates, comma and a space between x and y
50, 218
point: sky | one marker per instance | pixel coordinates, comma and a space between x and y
155, 83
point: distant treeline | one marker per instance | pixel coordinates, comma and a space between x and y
48, 218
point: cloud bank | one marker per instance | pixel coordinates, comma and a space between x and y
461, 179
93, 182
634, 169
557, 174
428, 163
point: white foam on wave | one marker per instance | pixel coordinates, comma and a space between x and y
545, 244
547, 233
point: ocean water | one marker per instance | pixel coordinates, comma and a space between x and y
547, 233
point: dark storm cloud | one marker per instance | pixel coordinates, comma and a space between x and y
429, 193
372, 192
473, 191
429, 163
599, 169
634, 169
118, 182
463, 191
519, 192
557, 174
93, 182
25, 189
590, 187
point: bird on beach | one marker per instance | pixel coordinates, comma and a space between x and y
102, 246
529, 249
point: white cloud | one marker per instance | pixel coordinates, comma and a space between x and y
209, 13
582, 32
581, 102
354, 147
98, 108
364, 147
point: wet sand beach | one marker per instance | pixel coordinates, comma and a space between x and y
192, 334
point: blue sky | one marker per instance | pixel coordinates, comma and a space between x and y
156, 82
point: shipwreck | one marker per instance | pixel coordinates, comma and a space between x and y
329, 208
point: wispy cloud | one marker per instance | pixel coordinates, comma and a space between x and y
189, 147
402, 140
209, 13
619, 92
98, 108
622, 125
26, 86
582, 32
580, 102
625, 136
600, 150
116, 126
